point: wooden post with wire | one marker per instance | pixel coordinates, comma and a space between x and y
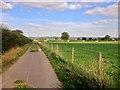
57, 51
51, 46
100, 66
73, 55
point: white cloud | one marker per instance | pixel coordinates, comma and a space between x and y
75, 29
3, 15
63, 23
63, 0
52, 5
38, 0
106, 21
4, 6
74, 6
93, 0
32, 25
98, 0
111, 10
56, 4
2, 24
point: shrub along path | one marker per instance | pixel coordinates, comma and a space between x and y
34, 68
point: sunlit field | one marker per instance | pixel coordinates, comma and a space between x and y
86, 57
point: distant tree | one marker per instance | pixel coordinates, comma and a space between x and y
95, 39
119, 37
84, 38
102, 39
78, 38
116, 39
56, 38
65, 36
107, 37
99, 38
90, 39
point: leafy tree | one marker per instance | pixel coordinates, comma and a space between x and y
78, 38
56, 38
65, 36
84, 38
99, 38
90, 39
102, 39
107, 37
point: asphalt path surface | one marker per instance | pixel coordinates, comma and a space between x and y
34, 68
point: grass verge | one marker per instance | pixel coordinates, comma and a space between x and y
70, 75
12, 55
34, 47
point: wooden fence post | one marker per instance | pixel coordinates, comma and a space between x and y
72, 55
51, 46
47, 45
100, 66
57, 51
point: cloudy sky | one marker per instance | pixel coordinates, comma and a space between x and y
51, 18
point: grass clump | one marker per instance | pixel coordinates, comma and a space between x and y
34, 47
21, 84
19, 81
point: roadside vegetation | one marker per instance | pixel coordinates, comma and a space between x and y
86, 57
70, 75
12, 38
20, 84
12, 55
84, 69
34, 47
14, 44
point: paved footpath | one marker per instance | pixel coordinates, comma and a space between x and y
34, 68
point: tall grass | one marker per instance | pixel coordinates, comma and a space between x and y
70, 75
12, 55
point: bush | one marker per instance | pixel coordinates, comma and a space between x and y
12, 39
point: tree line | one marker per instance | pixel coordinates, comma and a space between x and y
66, 36
12, 38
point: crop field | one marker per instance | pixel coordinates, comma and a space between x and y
86, 57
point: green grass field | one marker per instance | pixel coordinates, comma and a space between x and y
86, 57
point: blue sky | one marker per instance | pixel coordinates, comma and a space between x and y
51, 19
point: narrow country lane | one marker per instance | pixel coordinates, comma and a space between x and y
34, 68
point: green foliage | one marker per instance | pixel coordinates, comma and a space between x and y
70, 75
10, 57
12, 39
107, 37
34, 47
84, 38
21, 84
65, 36
86, 57
19, 81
